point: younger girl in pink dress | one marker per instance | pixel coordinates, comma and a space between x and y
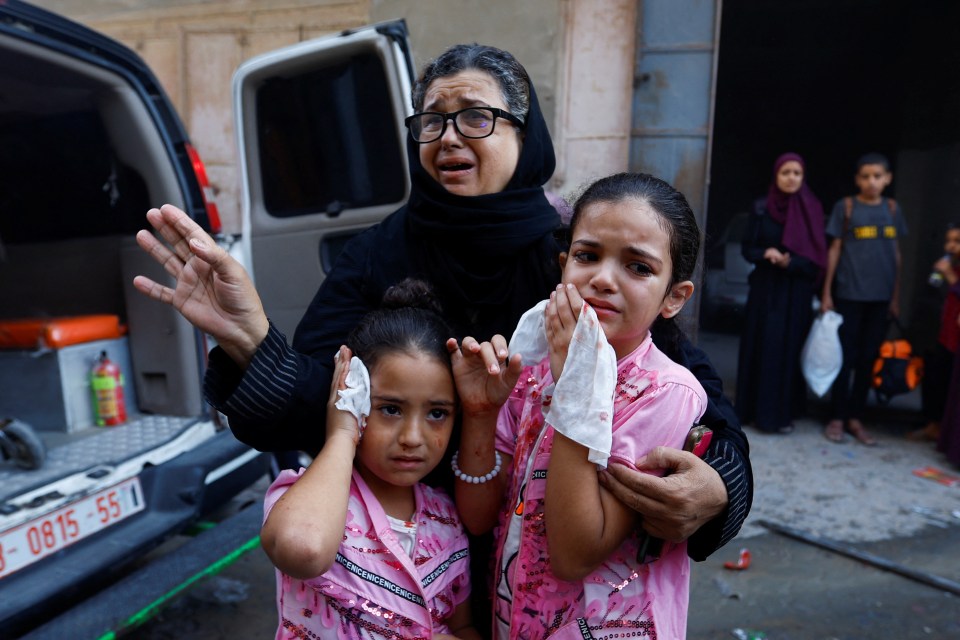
362, 549
567, 551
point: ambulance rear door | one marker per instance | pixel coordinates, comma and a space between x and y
322, 155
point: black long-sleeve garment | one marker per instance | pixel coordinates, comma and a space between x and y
279, 403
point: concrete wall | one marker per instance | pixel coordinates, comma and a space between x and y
596, 101
579, 54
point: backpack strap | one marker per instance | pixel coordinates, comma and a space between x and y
847, 214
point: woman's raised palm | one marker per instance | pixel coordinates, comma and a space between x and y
212, 290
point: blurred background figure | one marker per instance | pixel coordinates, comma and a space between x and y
938, 360
785, 240
949, 442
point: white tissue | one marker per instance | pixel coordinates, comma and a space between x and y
582, 405
530, 338
356, 397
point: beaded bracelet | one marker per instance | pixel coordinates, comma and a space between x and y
476, 479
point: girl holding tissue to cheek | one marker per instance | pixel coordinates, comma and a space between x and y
580, 386
362, 548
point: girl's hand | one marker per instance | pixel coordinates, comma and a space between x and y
304, 528
559, 320
943, 265
483, 373
339, 421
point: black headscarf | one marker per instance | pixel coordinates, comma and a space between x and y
493, 256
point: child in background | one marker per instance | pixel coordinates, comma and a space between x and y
567, 554
949, 441
938, 361
862, 284
362, 548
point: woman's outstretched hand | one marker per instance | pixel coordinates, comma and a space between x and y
485, 374
212, 290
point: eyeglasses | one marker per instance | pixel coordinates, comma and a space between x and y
472, 122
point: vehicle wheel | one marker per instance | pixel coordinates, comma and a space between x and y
21, 443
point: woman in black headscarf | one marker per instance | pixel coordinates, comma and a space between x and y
478, 227
786, 242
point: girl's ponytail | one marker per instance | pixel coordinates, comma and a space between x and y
411, 293
410, 320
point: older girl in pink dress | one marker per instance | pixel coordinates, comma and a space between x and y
567, 555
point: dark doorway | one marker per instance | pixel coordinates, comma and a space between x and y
831, 80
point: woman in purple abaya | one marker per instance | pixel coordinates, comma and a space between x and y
785, 240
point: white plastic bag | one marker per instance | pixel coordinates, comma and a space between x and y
822, 354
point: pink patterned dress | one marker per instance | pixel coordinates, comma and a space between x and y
374, 589
656, 402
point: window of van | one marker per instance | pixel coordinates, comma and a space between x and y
312, 164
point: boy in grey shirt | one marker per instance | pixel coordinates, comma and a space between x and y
862, 285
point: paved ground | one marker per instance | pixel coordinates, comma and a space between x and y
866, 500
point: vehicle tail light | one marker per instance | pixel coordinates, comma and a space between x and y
213, 214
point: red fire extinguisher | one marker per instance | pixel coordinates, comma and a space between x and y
106, 380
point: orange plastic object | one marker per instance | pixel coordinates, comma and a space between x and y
55, 333
743, 562
20, 334
899, 350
